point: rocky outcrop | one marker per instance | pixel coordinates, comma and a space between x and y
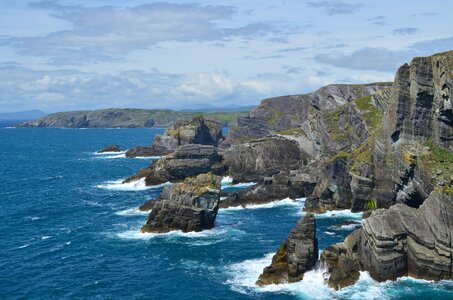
197, 130
297, 255
111, 148
410, 151
292, 184
400, 241
127, 118
191, 205
187, 160
263, 157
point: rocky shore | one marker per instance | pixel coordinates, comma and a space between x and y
383, 148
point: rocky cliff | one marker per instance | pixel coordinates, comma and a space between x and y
191, 205
408, 155
399, 241
298, 254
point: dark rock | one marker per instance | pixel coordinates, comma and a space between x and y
111, 148
263, 157
400, 241
187, 160
191, 205
148, 205
286, 184
147, 151
297, 255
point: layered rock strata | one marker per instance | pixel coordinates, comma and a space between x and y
297, 255
191, 205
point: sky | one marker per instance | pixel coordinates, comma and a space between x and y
79, 55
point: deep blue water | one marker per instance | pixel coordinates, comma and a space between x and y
70, 230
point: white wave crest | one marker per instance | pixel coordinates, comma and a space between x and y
346, 213
132, 212
138, 185
227, 180
109, 153
243, 277
277, 203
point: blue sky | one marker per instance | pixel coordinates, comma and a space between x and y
76, 55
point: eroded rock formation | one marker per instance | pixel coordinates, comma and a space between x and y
191, 205
297, 255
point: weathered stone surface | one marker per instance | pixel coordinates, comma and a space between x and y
298, 254
111, 148
399, 241
408, 155
263, 157
191, 205
286, 184
187, 160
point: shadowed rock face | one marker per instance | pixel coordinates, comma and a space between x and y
286, 184
191, 205
187, 160
400, 241
298, 254
263, 157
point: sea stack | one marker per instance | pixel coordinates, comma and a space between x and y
191, 205
297, 255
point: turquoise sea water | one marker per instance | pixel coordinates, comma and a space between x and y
69, 229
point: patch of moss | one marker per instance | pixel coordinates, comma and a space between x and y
293, 132
372, 204
275, 116
371, 114
438, 161
332, 119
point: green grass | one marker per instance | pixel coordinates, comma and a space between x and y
371, 114
372, 204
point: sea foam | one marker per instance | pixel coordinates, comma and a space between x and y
132, 212
277, 203
138, 185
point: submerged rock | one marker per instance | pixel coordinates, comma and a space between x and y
297, 255
191, 205
111, 148
399, 241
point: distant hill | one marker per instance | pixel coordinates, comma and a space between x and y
128, 118
26, 115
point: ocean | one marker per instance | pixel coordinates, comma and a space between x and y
70, 229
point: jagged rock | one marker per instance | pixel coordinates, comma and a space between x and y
400, 241
263, 157
111, 148
409, 154
191, 205
187, 160
198, 130
286, 184
297, 255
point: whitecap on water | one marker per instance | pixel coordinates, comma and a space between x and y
132, 212
285, 202
243, 276
201, 238
138, 185
227, 180
346, 213
46, 237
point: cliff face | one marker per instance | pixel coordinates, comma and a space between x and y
400, 241
317, 116
409, 154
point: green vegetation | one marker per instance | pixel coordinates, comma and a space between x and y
293, 132
372, 204
338, 132
275, 116
372, 115
439, 162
